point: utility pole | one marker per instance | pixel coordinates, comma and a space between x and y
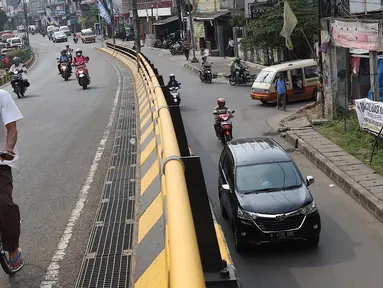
152, 19
179, 16
374, 75
112, 16
26, 23
137, 32
101, 34
320, 62
194, 60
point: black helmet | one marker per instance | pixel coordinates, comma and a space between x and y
16, 60
63, 52
67, 46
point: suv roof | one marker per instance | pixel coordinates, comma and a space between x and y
257, 151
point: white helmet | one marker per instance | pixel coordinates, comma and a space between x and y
172, 75
78, 52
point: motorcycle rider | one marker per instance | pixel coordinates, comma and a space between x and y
220, 109
172, 81
236, 68
18, 66
79, 60
63, 59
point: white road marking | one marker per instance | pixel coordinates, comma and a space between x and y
52, 274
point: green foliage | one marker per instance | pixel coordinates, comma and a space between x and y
238, 19
264, 31
23, 54
3, 19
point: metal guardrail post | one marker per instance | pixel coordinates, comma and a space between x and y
185, 263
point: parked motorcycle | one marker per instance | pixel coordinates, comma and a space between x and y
176, 48
157, 44
19, 86
82, 75
175, 93
224, 130
243, 77
166, 44
205, 74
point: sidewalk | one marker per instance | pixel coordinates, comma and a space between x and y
220, 67
352, 175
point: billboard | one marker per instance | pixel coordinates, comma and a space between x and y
356, 35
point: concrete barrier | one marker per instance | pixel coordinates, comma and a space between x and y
154, 265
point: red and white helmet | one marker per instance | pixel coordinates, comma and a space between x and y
221, 102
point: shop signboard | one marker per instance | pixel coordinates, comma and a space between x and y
357, 35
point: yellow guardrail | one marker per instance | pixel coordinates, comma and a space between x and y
185, 263
185, 267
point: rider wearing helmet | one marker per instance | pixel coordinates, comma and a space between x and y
235, 66
220, 109
80, 59
63, 59
18, 66
172, 81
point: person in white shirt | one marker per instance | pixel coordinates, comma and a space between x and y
18, 66
9, 211
230, 47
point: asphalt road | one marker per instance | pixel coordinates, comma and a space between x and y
350, 252
58, 138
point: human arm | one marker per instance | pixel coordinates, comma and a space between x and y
10, 114
12, 69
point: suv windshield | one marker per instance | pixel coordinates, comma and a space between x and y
16, 41
88, 33
265, 77
267, 177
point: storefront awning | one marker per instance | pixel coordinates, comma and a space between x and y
165, 21
208, 16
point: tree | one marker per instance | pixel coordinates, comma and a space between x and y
3, 19
264, 31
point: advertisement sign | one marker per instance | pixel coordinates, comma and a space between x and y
370, 115
356, 35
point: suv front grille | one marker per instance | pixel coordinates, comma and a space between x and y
273, 224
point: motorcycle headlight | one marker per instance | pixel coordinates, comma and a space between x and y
246, 215
308, 209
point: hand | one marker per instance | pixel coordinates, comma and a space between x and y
7, 155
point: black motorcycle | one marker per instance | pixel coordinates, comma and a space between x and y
175, 94
19, 86
205, 74
75, 39
242, 77
176, 48
65, 70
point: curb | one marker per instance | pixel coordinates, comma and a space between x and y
350, 186
6, 78
293, 117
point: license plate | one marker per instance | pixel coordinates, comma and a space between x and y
282, 235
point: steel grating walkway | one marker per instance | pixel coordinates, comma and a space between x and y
108, 258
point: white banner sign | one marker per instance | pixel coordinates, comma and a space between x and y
370, 115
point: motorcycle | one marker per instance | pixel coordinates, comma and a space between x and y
205, 74
224, 130
175, 94
242, 77
176, 48
75, 39
65, 70
82, 75
18, 82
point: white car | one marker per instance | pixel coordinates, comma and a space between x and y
65, 29
14, 42
20, 28
59, 36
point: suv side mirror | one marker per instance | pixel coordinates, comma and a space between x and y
310, 180
226, 187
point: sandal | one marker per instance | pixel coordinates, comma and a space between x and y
18, 258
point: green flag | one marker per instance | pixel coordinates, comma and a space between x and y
289, 23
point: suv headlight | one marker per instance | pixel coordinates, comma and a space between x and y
308, 209
245, 215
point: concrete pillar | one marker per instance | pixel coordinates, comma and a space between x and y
235, 38
221, 43
246, 52
374, 75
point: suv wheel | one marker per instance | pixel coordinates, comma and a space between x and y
312, 242
223, 211
240, 247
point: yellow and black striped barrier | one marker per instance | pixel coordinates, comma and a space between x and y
167, 253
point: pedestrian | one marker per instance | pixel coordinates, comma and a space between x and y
281, 87
230, 48
143, 37
186, 48
9, 211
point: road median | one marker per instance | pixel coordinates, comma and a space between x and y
169, 246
